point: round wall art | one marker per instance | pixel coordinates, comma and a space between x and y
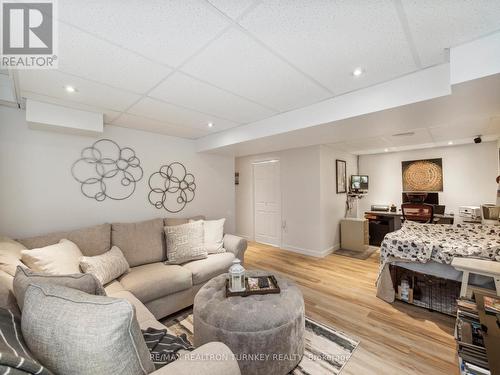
172, 187
105, 170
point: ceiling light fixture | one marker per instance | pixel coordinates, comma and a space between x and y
450, 143
357, 72
70, 89
210, 124
386, 150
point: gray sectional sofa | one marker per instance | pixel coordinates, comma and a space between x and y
155, 289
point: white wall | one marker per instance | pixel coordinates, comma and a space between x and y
333, 205
311, 208
469, 173
38, 193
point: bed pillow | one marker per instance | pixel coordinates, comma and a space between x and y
72, 332
106, 267
213, 235
62, 258
24, 277
10, 255
185, 243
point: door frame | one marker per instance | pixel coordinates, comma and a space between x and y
267, 161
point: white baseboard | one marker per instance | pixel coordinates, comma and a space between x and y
311, 253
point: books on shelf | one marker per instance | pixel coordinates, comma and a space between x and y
470, 339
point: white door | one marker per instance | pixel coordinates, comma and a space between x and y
267, 201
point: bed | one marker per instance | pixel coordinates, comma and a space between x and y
430, 248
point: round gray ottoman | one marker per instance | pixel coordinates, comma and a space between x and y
265, 332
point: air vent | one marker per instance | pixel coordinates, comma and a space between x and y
407, 134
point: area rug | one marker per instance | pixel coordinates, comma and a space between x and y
327, 350
357, 254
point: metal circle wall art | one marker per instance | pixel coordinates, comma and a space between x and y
105, 170
172, 187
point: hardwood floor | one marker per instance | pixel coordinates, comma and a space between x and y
340, 291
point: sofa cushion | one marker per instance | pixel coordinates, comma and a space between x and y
91, 241
141, 311
10, 255
24, 277
214, 265
141, 243
62, 258
152, 281
106, 267
72, 332
185, 243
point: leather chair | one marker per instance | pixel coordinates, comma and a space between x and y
419, 212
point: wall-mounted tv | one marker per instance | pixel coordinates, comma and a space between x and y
359, 182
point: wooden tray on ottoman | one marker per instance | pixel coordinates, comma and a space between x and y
273, 288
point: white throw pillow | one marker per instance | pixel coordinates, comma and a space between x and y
213, 235
106, 267
62, 258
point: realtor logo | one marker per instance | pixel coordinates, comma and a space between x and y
28, 34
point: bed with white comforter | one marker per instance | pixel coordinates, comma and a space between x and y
434, 243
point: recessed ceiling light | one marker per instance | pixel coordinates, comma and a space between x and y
450, 143
210, 124
386, 150
357, 72
69, 89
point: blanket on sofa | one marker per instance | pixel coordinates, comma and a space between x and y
15, 357
416, 242
164, 347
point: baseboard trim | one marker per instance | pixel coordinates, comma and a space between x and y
243, 236
311, 253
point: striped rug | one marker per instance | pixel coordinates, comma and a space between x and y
327, 350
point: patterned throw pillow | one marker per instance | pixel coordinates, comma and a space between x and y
185, 243
24, 277
15, 358
106, 267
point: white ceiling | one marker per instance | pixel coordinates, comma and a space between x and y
173, 66
472, 109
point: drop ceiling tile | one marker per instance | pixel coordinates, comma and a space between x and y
172, 114
109, 114
239, 64
188, 92
93, 58
462, 129
142, 123
52, 82
420, 136
7, 89
367, 144
437, 25
165, 31
329, 39
232, 8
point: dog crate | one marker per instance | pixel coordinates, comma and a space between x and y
431, 292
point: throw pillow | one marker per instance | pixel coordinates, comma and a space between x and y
24, 277
106, 267
185, 243
10, 255
14, 357
72, 332
213, 235
62, 258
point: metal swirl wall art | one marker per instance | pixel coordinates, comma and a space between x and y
105, 170
172, 187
